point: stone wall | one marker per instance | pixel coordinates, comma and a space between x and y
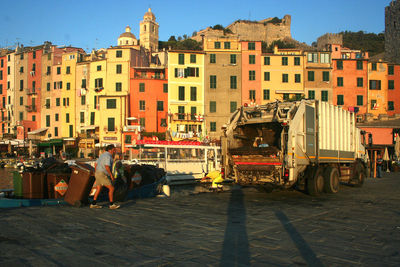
262, 30
328, 39
392, 32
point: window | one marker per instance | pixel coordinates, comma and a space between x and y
390, 70
360, 82
340, 81
193, 93
55, 131
160, 105
233, 82
118, 53
267, 76
285, 78
48, 86
58, 102
181, 112
141, 87
373, 104
340, 100
213, 58
21, 56
227, 45
21, 85
21, 69
213, 81
92, 117
98, 82
213, 106
311, 94
181, 95
34, 54
193, 112
33, 117
373, 66
252, 95
82, 117
163, 123
142, 105
233, 105
58, 70
217, 45
213, 126
21, 100
118, 87
266, 94
119, 69
324, 96
252, 46
21, 115
297, 78
312, 57
111, 125
359, 64
285, 96
375, 85
284, 61
98, 67
142, 122
390, 84
83, 100
267, 61
56, 117
111, 103
165, 87
252, 75
233, 59
68, 86
192, 58
390, 105
191, 72
47, 120
360, 100
325, 76
310, 76
68, 71
181, 59
296, 61
325, 58
67, 118
252, 59
339, 64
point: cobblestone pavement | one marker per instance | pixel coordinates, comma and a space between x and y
242, 227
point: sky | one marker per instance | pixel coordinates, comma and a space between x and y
94, 24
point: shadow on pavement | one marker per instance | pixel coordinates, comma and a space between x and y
306, 252
235, 250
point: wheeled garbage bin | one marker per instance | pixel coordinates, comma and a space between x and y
80, 184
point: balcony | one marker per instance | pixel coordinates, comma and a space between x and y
160, 76
30, 92
132, 128
186, 117
31, 108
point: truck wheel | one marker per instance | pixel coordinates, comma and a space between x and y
331, 180
315, 183
359, 176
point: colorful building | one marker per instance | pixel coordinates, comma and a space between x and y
223, 83
378, 88
318, 76
186, 94
3, 92
393, 97
282, 75
251, 72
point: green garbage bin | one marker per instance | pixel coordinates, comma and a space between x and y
17, 179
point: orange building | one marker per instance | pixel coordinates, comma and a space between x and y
148, 102
378, 87
251, 72
393, 89
3, 92
350, 79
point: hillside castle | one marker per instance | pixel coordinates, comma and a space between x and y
267, 30
392, 32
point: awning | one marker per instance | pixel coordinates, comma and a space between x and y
131, 118
38, 131
54, 142
69, 139
88, 127
289, 91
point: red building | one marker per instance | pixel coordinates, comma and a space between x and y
3, 92
394, 94
148, 102
350, 79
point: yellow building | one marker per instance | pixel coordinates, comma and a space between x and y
69, 93
378, 87
186, 94
282, 75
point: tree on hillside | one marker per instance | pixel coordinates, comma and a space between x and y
369, 42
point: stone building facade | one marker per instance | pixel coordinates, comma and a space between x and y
267, 30
392, 32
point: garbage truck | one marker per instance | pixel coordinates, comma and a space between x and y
309, 145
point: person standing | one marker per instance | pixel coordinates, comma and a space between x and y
104, 177
379, 163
